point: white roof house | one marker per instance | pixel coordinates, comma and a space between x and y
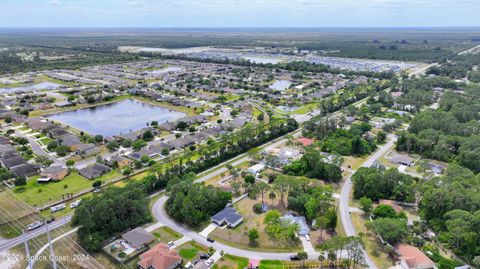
256, 168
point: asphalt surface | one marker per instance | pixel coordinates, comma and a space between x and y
10, 243
345, 196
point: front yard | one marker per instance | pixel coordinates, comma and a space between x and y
238, 236
39, 194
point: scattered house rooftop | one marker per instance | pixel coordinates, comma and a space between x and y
13, 161
25, 170
412, 258
160, 257
391, 203
403, 160
55, 172
138, 238
256, 168
305, 141
227, 216
93, 171
300, 220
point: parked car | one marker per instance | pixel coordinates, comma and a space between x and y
307, 237
171, 243
57, 208
75, 204
35, 225
294, 258
209, 262
209, 239
204, 256
51, 219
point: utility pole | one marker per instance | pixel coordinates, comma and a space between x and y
52, 254
27, 252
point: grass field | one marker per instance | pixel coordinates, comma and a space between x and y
166, 234
191, 250
231, 262
38, 194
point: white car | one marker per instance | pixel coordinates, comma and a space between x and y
57, 208
209, 262
307, 237
75, 204
188, 265
171, 243
35, 225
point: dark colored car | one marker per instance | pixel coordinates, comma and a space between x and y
294, 258
210, 240
204, 256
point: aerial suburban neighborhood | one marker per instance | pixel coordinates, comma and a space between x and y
158, 148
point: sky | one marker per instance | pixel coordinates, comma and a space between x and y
239, 13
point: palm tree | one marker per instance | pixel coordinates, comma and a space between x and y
272, 196
321, 258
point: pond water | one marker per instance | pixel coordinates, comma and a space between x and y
261, 60
288, 108
280, 85
164, 70
31, 88
116, 118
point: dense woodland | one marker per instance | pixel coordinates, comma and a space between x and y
450, 134
451, 205
109, 214
193, 203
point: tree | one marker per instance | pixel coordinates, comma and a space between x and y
253, 235
70, 163
52, 145
366, 205
181, 125
20, 181
321, 224
127, 171
96, 184
126, 143
112, 146
272, 161
384, 211
138, 144
302, 256
391, 230
249, 178
147, 135
99, 138
272, 196
61, 150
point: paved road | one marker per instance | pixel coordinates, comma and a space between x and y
10, 243
161, 215
38, 149
345, 196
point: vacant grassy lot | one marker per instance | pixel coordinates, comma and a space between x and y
38, 194
231, 262
191, 250
166, 234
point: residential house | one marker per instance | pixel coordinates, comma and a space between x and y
299, 220
138, 238
93, 171
227, 216
71, 141
402, 160
25, 170
160, 257
55, 173
12, 161
121, 161
413, 258
306, 141
87, 149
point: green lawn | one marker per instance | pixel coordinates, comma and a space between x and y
166, 234
231, 262
38, 194
45, 141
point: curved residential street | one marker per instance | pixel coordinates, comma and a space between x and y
345, 195
161, 215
